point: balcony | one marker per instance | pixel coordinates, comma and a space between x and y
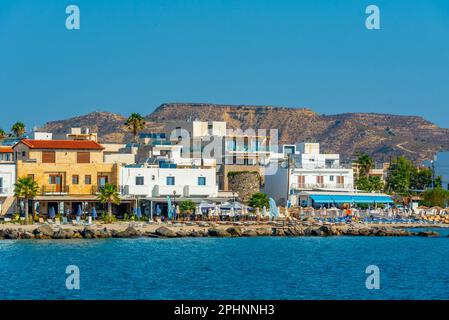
163, 190
252, 149
55, 189
5, 191
196, 191
135, 190
313, 186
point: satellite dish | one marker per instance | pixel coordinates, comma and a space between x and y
284, 164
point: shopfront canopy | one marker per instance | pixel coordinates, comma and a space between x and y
332, 198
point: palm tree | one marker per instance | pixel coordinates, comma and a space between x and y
108, 194
365, 163
135, 123
3, 134
26, 188
18, 129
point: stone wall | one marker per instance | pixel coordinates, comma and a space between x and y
244, 184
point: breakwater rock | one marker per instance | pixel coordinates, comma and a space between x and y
204, 230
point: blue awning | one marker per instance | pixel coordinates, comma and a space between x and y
350, 198
321, 198
342, 199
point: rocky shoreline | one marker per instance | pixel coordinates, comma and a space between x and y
202, 230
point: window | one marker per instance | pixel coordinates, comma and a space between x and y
170, 181
201, 181
153, 177
75, 179
319, 179
24, 154
55, 179
331, 178
31, 176
301, 181
102, 180
48, 157
83, 157
88, 179
139, 181
340, 179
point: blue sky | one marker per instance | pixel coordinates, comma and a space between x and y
131, 56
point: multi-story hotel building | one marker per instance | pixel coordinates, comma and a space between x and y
69, 173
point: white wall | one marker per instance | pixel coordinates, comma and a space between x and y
155, 181
276, 185
442, 168
121, 158
8, 177
330, 180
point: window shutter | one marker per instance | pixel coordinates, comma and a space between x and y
83, 157
48, 157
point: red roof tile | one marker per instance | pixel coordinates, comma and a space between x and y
62, 144
6, 150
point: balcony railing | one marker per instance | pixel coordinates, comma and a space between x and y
5, 190
55, 189
311, 186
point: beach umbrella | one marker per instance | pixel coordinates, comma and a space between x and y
52, 213
67, 211
37, 208
274, 211
139, 213
135, 211
169, 208
94, 213
79, 213
158, 210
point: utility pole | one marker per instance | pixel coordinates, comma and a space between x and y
433, 173
288, 179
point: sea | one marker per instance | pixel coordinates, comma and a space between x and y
227, 268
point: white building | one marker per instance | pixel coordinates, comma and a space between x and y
7, 180
151, 184
305, 168
441, 163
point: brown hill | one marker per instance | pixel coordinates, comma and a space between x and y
381, 135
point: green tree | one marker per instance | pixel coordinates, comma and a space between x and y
187, 206
135, 123
370, 184
400, 175
258, 200
3, 135
435, 197
26, 188
18, 129
108, 194
421, 179
365, 163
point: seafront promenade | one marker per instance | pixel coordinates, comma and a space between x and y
210, 229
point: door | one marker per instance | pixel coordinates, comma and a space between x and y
101, 181
56, 182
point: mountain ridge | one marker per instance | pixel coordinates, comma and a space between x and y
381, 135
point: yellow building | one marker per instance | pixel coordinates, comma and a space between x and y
69, 173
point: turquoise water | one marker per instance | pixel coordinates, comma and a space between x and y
236, 268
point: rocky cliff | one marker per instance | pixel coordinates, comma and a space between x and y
381, 135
